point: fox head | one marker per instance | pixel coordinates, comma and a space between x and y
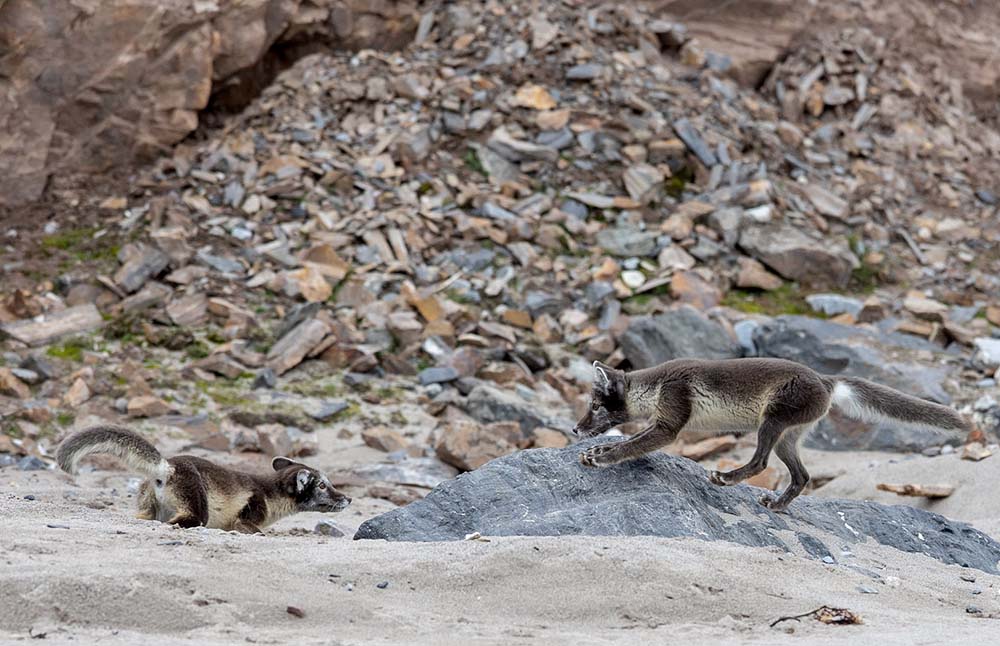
607, 402
309, 488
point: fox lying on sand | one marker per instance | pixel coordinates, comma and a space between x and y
780, 400
191, 492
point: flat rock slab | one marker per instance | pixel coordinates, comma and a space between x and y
48, 328
546, 492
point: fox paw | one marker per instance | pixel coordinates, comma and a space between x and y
595, 456
719, 478
774, 503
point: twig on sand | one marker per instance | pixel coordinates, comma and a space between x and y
825, 614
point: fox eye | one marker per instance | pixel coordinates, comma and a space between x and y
322, 485
595, 405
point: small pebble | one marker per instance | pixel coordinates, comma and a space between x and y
383, 585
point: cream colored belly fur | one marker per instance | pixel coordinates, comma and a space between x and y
721, 416
223, 510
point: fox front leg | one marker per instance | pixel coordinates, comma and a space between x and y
653, 437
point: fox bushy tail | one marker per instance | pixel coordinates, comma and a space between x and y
866, 401
138, 454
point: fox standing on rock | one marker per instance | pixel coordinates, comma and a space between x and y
189, 491
781, 400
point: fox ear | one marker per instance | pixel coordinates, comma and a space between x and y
602, 376
280, 463
608, 380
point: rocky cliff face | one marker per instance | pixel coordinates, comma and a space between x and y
88, 85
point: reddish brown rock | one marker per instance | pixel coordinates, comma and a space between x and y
753, 275
100, 84
468, 446
147, 406
384, 439
689, 287
12, 386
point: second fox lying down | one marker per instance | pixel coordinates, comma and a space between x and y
780, 400
188, 491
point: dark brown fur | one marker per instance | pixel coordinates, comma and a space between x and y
190, 491
780, 400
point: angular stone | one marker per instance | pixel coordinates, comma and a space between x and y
327, 527
417, 472
49, 327
642, 182
546, 438
694, 142
437, 375
988, 351
728, 222
674, 257
488, 404
327, 410
535, 97
933, 492
795, 256
152, 294
516, 150
11, 386
872, 310
467, 445
925, 308
220, 364
753, 275
275, 440
688, 287
147, 406
188, 310
626, 243
145, 263
708, 447
584, 72
384, 439
293, 347
78, 393
310, 283
826, 202
833, 304
681, 332
975, 451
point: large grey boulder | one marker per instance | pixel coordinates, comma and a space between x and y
681, 332
904, 362
796, 256
546, 492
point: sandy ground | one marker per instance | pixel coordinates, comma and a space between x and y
75, 566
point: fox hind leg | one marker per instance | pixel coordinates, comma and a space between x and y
147, 502
787, 451
768, 435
